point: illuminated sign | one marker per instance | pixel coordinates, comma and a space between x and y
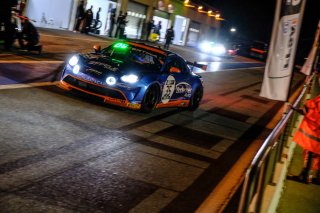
121, 45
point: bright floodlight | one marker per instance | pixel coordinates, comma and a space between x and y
205, 46
218, 49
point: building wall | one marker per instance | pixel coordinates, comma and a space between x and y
206, 21
149, 3
207, 24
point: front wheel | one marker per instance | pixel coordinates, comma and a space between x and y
150, 99
196, 99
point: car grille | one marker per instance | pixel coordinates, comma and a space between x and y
93, 88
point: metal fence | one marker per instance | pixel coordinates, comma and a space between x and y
260, 174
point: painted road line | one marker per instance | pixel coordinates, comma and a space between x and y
232, 62
73, 38
19, 86
156, 201
29, 62
178, 145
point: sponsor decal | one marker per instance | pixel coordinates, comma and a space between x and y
106, 66
168, 89
289, 32
93, 71
134, 106
114, 100
183, 87
93, 80
280, 61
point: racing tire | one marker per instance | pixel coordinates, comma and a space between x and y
150, 99
195, 99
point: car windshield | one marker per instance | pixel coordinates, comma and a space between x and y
125, 53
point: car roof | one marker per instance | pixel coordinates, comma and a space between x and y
156, 49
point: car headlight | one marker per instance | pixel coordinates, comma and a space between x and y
205, 46
111, 80
218, 49
76, 69
129, 78
73, 60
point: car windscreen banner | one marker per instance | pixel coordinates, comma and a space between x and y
307, 66
282, 49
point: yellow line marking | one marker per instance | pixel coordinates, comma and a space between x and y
19, 86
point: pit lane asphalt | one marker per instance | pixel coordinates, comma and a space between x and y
66, 153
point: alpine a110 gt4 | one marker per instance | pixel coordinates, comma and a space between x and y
134, 75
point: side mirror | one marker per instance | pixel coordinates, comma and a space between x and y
97, 48
175, 70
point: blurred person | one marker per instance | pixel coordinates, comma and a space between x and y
5, 20
150, 27
29, 34
21, 6
169, 37
86, 23
119, 20
112, 23
96, 22
308, 137
79, 16
98, 14
122, 26
157, 28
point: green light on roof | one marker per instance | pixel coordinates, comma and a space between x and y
121, 45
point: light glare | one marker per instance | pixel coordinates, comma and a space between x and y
73, 60
130, 78
111, 81
76, 69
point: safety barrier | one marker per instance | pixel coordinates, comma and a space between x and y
265, 176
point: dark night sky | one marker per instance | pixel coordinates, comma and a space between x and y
253, 19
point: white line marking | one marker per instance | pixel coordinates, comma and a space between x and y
83, 39
29, 62
222, 70
245, 68
231, 62
19, 86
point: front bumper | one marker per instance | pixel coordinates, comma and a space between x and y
107, 94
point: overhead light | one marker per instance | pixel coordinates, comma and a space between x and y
186, 3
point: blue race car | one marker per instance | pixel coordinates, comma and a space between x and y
134, 75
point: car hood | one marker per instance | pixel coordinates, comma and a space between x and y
100, 65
